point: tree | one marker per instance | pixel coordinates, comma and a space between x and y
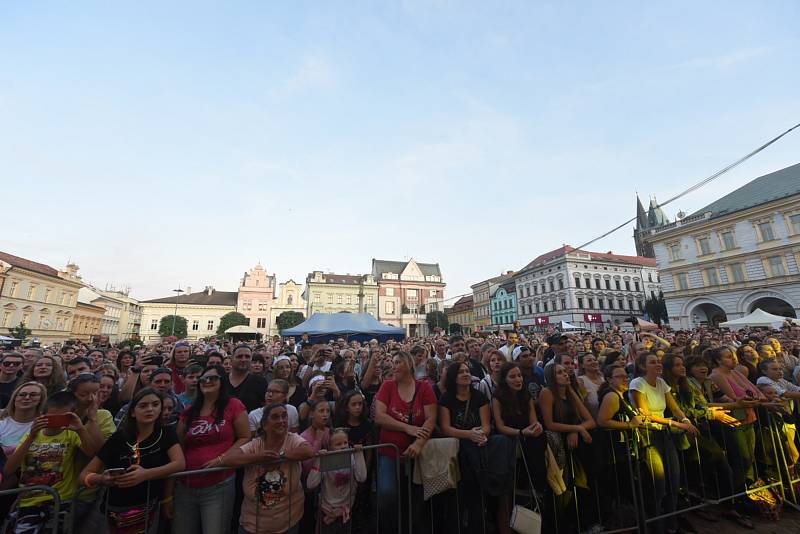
288, 319
130, 343
165, 326
656, 308
231, 319
455, 328
436, 319
20, 332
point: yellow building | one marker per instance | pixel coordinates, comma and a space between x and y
202, 311
331, 293
462, 313
88, 321
290, 298
38, 296
482, 293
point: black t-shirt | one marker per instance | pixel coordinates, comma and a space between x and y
476, 369
153, 453
460, 417
251, 391
6, 389
361, 434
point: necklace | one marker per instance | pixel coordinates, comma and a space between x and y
136, 450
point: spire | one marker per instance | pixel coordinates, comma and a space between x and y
655, 215
641, 215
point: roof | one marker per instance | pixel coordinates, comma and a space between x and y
496, 279
462, 304
331, 278
388, 266
767, 188
509, 285
216, 298
28, 265
603, 256
343, 323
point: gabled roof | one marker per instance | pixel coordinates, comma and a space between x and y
388, 266
28, 265
495, 280
603, 256
216, 298
772, 186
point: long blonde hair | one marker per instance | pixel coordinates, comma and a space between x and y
10, 410
55, 382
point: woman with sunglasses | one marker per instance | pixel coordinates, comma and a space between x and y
213, 425
134, 463
25, 405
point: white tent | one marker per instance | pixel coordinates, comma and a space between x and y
758, 317
563, 325
241, 329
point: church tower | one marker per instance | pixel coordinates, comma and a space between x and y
645, 221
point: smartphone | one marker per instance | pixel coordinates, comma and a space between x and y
327, 374
58, 420
116, 471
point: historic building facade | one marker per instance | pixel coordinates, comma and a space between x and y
407, 291
737, 254
88, 321
594, 290
462, 314
289, 298
332, 293
481, 299
255, 299
202, 310
38, 296
504, 304
111, 316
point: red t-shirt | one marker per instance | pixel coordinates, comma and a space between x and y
400, 409
206, 439
177, 379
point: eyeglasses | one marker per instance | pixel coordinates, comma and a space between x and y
208, 378
25, 395
11, 364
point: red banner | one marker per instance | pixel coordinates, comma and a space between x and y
538, 321
592, 317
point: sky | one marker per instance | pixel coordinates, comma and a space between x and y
173, 144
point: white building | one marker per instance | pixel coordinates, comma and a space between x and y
202, 311
113, 311
289, 298
589, 289
739, 253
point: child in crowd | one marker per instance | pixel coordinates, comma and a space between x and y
337, 487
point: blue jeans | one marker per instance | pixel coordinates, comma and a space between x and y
207, 510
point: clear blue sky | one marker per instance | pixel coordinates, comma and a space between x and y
167, 143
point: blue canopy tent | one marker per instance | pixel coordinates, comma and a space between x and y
322, 327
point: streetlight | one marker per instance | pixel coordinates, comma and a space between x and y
175, 317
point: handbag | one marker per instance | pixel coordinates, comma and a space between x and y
524, 520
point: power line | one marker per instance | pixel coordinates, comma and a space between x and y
699, 184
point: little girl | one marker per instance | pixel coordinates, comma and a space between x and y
338, 487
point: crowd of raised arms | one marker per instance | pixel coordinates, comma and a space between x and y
587, 423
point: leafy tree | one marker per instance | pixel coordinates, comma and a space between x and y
130, 343
289, 319
20, 332
165, 326
656, 308
231, 319
436, 319
455, 328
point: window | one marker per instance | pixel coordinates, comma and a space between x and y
432, 293
317, 298
765, 231
617, 284
776, 267
563, 304
528, 290
330, 298
411, 294
247, 305
580, 302
736, 272
597, 283
682, 281
154, 324
636, 284
389, 307
210, 325
601, 303
640, 304
12, 289
560, 283
63, 299
591, 304
369, 300
389, 291
794, 223
338, 298
544, 305
630, 304
577, 282
553, 305
195, 325
649, 277
262, 305
610, 304
290, 299
674, 251
349, 299
627, 285
6, 318
31, 292
552, 287
47, 294
621, 304
261, 322
608, 284
538, 309
703, 246
543, 290
711, 276
727, 240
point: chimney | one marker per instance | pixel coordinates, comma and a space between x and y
209, 290
188, 289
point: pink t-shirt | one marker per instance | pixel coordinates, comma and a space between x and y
399, 409
207, 439
273, 495
317, 443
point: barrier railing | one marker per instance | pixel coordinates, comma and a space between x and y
266, 493
54, 509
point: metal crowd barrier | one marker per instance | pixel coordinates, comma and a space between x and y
330, 461
53, 521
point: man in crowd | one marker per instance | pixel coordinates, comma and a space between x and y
440, 350
10, 371
246, 386
77, 366
177, 364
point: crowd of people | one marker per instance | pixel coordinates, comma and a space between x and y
577, 426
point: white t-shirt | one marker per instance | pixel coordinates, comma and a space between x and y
656, 396
11, 433
254, 418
